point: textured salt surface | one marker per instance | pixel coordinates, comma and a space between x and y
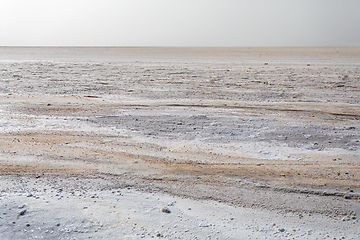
95, 142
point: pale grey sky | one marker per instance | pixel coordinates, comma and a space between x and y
180, 22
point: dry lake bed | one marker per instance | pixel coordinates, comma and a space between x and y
179, 143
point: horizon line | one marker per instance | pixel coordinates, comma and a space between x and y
142, 46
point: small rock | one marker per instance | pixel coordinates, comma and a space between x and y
203, 225
22, 213
171, 204
165, 210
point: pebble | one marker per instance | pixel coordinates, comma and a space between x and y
171, 204
347, 197
21, 213
203, 225
165, 210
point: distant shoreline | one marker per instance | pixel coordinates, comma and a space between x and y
274, 55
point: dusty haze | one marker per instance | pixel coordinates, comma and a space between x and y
180, 23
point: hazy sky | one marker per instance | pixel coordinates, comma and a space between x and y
180, 22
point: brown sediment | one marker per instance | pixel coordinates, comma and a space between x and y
23, 168
65, 152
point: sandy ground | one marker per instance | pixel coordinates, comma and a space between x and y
179, 143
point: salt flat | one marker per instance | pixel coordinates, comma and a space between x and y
243, 143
